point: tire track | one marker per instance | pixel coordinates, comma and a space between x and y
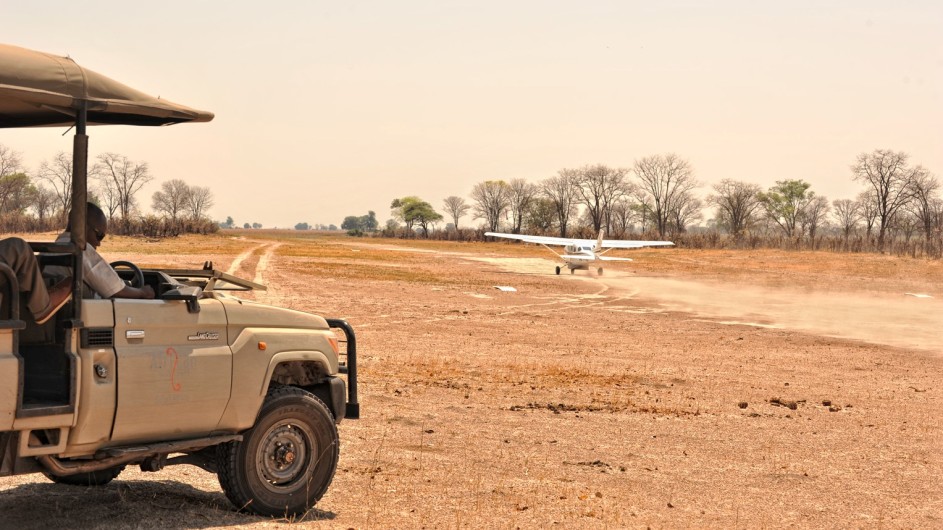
271, 296
237, 263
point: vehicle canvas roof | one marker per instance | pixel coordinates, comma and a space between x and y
41, 89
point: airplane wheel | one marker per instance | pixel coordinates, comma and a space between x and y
558, 270
572, 271
599, 271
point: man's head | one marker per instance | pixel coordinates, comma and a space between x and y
96, 225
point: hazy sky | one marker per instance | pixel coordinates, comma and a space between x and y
328, 109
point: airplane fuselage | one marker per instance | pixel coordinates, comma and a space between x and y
581, 254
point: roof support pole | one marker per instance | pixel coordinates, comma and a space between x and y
79, 199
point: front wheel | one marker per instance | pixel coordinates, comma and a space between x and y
286, 461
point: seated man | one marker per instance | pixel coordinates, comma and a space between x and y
43, 302
97, 273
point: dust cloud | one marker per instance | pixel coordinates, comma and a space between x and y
899, 320
881, 318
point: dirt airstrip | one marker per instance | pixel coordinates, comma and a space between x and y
722, 389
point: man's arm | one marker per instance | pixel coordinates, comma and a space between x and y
133, 292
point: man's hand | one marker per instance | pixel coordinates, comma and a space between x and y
133, 292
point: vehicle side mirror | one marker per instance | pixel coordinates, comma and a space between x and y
189, 293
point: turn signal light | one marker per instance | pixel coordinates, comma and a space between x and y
262, 345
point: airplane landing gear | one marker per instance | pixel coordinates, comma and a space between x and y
572, 271
558, 270
599, 270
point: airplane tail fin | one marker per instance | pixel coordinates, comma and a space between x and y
599, 241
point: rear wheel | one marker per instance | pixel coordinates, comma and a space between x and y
285, 463
558, 269
91, 478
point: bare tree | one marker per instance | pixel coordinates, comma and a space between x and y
110, 199
814, 216
622, 215
10, 161
846, 213
58, 173
171, 199
686, 211
520, 196
45, 202
666, 183
456, 208
867, 207
199, 201
561, 190
598, 187
925, 203
124, 177
491, 202
738, 204
892, 181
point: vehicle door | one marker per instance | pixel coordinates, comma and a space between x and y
174, 369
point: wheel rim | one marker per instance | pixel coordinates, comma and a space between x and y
284, 456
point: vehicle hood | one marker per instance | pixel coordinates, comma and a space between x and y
247, 314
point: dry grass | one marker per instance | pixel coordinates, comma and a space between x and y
578, 401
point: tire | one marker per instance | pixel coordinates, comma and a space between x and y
91, 478
286, 461
599, 271
558, 270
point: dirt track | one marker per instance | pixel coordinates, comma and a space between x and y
653, 396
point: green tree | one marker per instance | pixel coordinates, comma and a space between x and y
16, 193
363, 223
785, 203
302, 226
414, 211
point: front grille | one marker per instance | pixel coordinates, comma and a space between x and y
92, 337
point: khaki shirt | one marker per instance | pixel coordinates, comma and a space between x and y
97, 273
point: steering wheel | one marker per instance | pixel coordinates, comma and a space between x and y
138, 280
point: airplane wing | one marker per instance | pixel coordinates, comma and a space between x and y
606, 243
625, 243
612, 258
543, 240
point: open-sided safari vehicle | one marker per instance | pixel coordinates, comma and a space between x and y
195, 376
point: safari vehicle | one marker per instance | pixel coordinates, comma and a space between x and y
195, 376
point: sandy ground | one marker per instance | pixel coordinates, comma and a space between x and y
677, 391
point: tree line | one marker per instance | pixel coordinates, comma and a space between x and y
899, 208
40, 200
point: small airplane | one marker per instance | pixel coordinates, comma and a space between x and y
581, 253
